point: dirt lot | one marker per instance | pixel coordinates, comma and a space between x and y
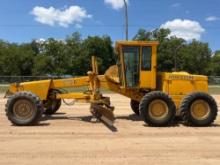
69, 138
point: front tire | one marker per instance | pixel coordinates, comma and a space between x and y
198, 109
24, 109
157, 109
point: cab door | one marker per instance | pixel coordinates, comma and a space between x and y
148, 67
131, 56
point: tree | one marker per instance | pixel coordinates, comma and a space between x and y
197, 57
100, 47
214, 65
72, 56
16, 59
143, 35
74, 52
177, 54
168, 49
52, 57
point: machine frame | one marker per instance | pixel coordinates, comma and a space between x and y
153, 94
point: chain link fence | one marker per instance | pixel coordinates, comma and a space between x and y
6, 80
214, 81
214, 85
14, 79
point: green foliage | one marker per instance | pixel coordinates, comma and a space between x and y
100, 47
15, 59
214, 66
197, 57
177, 54
72, 56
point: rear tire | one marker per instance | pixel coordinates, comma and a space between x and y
198, 109
157, 109
135, 107
24, 109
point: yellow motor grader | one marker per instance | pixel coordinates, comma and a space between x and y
157, 96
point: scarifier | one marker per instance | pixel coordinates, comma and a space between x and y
157, 96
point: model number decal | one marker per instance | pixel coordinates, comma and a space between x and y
69, 82
178, 77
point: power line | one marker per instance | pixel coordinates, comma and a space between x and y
89, 25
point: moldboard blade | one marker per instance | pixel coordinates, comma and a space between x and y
103, 113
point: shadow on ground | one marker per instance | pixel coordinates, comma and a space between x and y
89, 119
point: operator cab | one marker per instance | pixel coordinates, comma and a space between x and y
137, 63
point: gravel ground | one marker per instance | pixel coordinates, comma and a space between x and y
69, 138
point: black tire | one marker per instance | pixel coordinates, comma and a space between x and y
135, 107
31, 101
186, 113
145, 111
52, 105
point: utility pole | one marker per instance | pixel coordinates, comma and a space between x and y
126, 19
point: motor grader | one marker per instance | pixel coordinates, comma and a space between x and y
157, 96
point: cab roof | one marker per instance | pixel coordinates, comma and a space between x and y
135, 43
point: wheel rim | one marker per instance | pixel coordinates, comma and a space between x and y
200, 110
158, 109
23, 109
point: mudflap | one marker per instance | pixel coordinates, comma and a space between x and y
103, 112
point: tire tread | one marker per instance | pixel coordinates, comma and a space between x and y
27, 95
185, 106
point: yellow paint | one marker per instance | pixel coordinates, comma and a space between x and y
158, 109
73, 96
180, 84
148, 78
135, 43
40, 88
71, 82
200, 110
177, 84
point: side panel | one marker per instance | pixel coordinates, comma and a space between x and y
178, 85
40, 88
71, 82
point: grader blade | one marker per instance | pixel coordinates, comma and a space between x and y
103, 113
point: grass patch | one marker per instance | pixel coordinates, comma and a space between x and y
214, 90
3, 88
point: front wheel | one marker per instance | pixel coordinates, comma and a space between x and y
198, 109
24, 108
157, 109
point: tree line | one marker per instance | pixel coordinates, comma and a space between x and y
72, 55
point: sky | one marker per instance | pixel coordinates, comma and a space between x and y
25, 20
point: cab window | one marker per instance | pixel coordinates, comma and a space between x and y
146, 58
